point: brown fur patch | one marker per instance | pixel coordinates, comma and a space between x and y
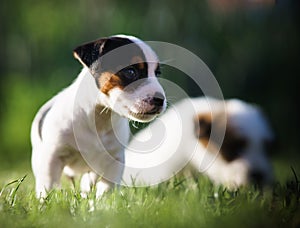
203, 127
233, 143
108, 81
139, 61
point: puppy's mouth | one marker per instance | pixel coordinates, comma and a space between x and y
147, 109
144, 116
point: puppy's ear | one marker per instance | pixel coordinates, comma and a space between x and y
203, 125
88, 53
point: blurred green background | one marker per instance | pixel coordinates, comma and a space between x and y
252, 51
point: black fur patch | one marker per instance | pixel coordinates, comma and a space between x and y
233, 144
41, 122
90, 52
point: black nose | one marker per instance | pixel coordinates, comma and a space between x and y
158, 99
256, 176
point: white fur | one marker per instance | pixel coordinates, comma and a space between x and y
169, 143
70, 141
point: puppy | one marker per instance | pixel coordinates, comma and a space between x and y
227, 141
84, 128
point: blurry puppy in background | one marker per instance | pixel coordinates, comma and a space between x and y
84, 128
241, 158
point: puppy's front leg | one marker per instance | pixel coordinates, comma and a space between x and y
87, 181
47, 169
90, 179
112, 176
103, 186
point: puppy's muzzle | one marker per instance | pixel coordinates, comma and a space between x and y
146, 109
157, 101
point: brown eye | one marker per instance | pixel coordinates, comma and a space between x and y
129, 73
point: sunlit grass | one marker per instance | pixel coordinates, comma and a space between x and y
179, 202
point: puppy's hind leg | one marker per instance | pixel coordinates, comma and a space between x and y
47, 170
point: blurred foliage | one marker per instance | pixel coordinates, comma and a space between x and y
254, 54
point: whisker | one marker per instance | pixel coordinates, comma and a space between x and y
105, 108
171, 98
166, 61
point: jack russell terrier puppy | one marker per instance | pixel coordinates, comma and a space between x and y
234, 155
84, 128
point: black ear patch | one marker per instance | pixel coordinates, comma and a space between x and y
88, 53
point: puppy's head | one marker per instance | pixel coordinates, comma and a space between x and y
243, 155
125, 71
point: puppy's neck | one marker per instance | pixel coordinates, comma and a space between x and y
103, 117
88, 105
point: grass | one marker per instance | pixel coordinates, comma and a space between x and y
180, 202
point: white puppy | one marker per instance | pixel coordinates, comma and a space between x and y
227, 141
84, 128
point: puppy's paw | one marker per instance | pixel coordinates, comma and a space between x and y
102, 187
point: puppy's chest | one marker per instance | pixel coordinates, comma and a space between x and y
112, 131
93, 146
